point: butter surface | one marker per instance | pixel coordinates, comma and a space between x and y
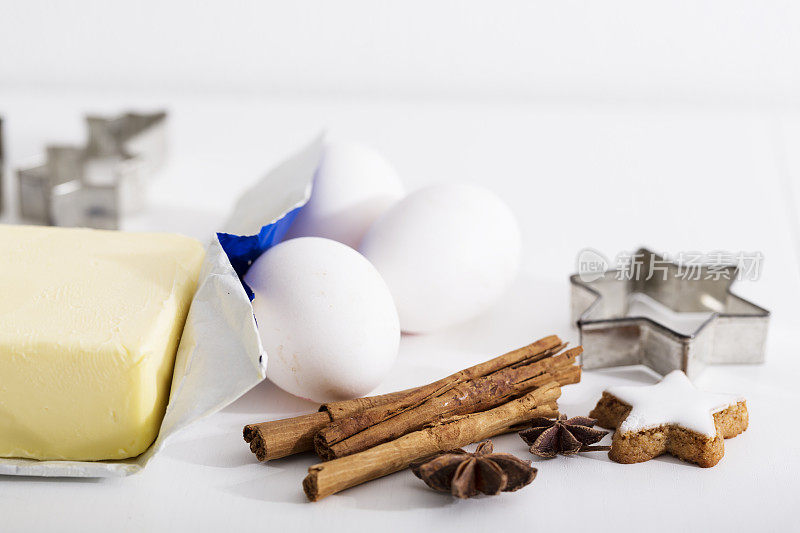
89, 325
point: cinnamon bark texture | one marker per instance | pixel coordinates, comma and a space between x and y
275, 439
279, 438
333, 476
382, 424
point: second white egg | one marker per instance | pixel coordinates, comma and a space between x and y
353, 186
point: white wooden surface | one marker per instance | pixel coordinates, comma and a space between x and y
673, 177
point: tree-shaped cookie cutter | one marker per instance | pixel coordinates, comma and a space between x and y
97, 184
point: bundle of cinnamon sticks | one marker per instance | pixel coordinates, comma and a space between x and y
366, 438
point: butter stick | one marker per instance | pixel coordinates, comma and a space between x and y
89, 326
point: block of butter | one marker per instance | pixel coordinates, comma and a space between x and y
90, 322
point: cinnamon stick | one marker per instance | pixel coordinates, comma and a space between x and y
333, 476
343, 428
279, 438
345, 408
348, 436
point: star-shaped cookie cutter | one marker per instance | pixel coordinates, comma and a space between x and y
731, 330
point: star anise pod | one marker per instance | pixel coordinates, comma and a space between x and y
466, 474
548, 437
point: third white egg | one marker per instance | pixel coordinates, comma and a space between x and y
447, 252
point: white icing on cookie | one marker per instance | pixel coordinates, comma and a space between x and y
673, 400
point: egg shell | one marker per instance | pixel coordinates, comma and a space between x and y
325, 317
447, 252
353, 186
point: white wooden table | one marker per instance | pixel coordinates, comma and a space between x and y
674, 178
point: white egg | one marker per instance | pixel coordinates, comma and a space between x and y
325, 317
353, 186
447, 252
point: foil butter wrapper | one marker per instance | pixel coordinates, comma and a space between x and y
220, 356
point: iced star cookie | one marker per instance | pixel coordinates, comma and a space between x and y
671, 416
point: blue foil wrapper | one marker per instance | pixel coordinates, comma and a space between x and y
263, 214
243, 250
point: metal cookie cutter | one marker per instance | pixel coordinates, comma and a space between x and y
97, 184
658, 316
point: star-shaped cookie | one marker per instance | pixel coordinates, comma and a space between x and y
671, 416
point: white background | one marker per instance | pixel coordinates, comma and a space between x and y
608, 125
620, 50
